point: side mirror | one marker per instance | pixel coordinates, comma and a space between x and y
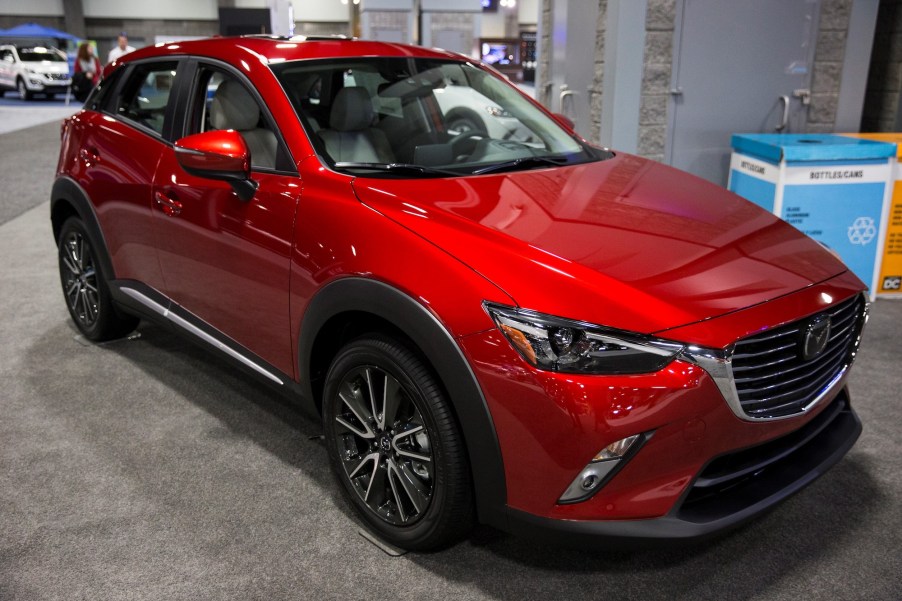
220, 154
565, 121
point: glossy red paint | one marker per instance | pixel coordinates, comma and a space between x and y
116, 164
337, 237
551, 425
219, 152
226, 260
625, 243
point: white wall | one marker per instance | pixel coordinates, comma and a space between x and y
321, 11
304, 10
50, 8
152, 9
492, 25
528, 12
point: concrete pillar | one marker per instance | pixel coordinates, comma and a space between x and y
74, 17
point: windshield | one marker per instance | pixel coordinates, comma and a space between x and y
36, 55
404, 117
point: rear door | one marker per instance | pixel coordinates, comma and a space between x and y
122, 142
224, 260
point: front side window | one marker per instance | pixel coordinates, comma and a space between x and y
222, 101
146, 93
409, 117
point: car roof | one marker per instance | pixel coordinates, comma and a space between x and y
275, 49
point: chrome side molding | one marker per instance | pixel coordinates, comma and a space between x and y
184, 324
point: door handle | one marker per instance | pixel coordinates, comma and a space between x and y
170, 206
785, 120
566, 93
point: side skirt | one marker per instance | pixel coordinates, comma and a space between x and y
141, 300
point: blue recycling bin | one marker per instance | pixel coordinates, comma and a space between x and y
836, 189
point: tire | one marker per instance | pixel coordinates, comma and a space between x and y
464, 121
24, 93
403, 466
84, 289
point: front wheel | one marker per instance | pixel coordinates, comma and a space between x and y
87, 294
24, 92
395, 445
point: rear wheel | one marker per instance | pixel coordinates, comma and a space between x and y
395, 445
87, 294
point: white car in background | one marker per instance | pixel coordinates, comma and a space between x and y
33, 70
466, 110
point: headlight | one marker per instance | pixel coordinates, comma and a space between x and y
562, 345
497, 111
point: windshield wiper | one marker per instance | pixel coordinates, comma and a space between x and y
397, 168
523, 163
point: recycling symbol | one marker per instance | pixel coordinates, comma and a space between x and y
862, 231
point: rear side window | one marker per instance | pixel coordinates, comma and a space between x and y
146, 93
101, 96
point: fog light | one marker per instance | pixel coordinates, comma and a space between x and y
601, 468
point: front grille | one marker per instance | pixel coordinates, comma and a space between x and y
774, 380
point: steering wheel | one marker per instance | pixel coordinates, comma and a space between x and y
459, 139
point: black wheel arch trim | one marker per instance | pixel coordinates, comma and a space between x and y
67, 190
356, 294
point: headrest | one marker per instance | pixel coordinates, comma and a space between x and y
352, 110
233, 107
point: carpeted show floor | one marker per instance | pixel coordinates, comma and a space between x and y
145, 469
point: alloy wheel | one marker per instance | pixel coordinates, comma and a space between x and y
80, 279
384, 445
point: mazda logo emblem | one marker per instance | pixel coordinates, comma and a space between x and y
815, 336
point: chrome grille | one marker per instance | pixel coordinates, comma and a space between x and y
771, 376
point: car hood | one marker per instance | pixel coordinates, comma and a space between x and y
626, 242
46, 67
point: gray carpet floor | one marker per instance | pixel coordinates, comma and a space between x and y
145, 469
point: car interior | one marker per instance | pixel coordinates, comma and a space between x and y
233, 107
386, 113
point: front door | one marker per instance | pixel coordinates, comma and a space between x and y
739, 67
225, 260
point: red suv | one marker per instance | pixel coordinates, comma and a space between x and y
512, 327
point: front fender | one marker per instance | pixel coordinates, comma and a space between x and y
355, 294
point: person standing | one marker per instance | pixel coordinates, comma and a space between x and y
87, 71
121, 49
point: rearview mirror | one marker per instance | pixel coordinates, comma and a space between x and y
220, 154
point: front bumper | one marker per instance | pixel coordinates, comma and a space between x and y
694, 474
39, 84
729, 491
